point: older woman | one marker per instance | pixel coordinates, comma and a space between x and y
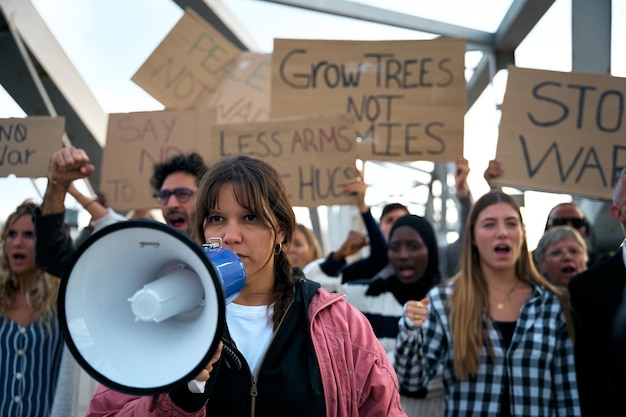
561, 253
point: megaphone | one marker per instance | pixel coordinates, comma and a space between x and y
142, 306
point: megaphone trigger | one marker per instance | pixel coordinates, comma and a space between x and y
196, 386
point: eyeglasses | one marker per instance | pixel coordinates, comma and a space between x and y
182, 195
558, 252
576, 223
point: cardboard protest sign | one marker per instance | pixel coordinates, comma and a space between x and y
562, 132
26, 145
408, 98
136, 141
188, 65
244, 95
314, 156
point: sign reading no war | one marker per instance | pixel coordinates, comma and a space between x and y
314, 156
26, 145
563, 132
407, 97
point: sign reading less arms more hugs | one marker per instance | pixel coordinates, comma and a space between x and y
26, 145
188, 65
407, 97
314, 156
563, 132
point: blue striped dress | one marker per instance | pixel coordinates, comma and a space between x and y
29, 364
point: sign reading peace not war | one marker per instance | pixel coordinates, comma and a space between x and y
188, 65
407, 97
563, 132
137, 141
314, 156
244, 95
26, 145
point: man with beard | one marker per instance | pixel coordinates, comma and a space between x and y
174, 182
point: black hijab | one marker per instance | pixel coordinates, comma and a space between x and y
417, 290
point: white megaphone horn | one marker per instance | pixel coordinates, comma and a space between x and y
142, 307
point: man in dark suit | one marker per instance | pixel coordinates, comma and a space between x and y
596, 296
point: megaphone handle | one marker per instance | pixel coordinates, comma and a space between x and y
196, 386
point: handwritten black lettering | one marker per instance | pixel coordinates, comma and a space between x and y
447, 71
13, 157
258, 144
431, 144
215, 57
159, 131
259, 76
590, 160
319, 184
390, 71
148, 157
240, 109
182, 83
372, 106
618, 150
602, 114
320, 140
537, 93
607, 106
17, 132
122, 190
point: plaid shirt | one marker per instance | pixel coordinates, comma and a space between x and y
539, 361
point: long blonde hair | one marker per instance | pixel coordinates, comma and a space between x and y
316, 250
42, 297
469, 303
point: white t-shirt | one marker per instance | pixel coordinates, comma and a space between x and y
251, 329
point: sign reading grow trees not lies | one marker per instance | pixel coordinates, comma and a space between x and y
408, 98
563, 132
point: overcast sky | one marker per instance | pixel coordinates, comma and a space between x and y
108, 41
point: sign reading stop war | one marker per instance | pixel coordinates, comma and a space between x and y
26, 145
188, 65
407, 97
563, 132
314, 156
137, 141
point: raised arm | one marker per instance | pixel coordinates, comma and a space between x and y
492, 173
335, 263
53, 246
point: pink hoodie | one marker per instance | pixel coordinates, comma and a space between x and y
358, 379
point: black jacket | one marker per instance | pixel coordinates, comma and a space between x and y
290, 363
596, 295
54, 247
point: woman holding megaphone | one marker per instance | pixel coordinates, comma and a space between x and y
290, 347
